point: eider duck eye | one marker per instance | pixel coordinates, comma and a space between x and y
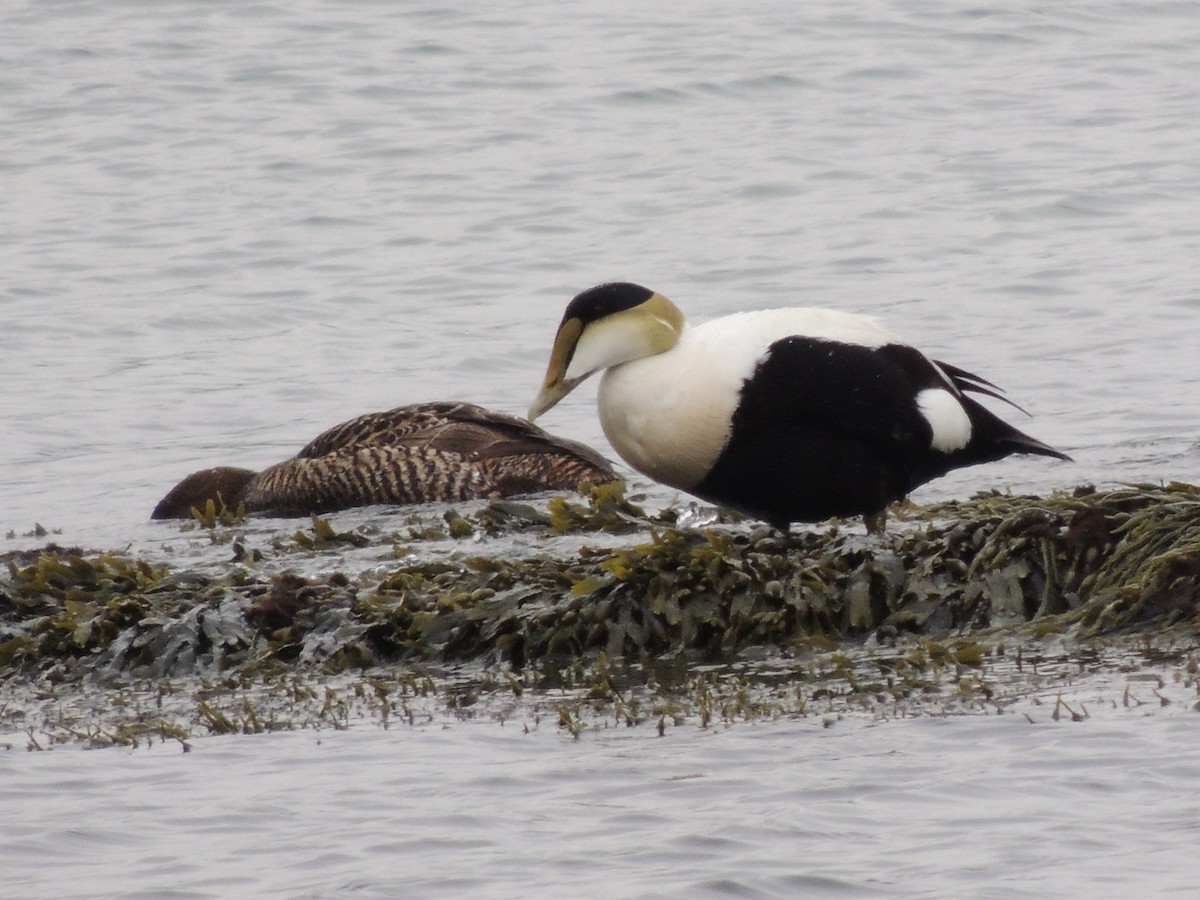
789, 415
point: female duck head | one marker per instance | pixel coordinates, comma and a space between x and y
605, 326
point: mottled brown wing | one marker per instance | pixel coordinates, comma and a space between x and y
404, 424
528, 473
452, 427
412, 454
362, 476
486, 434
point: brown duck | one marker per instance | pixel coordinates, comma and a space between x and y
412, 454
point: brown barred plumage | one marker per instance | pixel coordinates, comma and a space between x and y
412, 454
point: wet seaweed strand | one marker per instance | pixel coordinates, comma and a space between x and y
1093, 561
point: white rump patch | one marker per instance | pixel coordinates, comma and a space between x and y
946, 416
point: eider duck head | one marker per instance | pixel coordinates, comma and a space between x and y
602, 327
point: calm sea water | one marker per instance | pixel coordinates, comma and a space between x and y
226, 226
981, 807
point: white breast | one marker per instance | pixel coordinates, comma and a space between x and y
669, 415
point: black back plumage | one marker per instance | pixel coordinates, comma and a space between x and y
428, 452
824, 429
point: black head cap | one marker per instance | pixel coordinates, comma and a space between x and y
606, 299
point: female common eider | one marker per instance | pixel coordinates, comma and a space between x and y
790, 415
413, 454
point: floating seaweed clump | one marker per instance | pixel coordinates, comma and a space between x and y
1086, 564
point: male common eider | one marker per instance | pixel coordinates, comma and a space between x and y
790, 415
412, 454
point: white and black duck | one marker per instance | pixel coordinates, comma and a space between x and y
789, 415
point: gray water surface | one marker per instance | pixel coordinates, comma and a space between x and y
225, 227
987, 806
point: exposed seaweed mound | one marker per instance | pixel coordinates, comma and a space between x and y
1090, 562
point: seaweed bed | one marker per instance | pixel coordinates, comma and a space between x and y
964, 606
